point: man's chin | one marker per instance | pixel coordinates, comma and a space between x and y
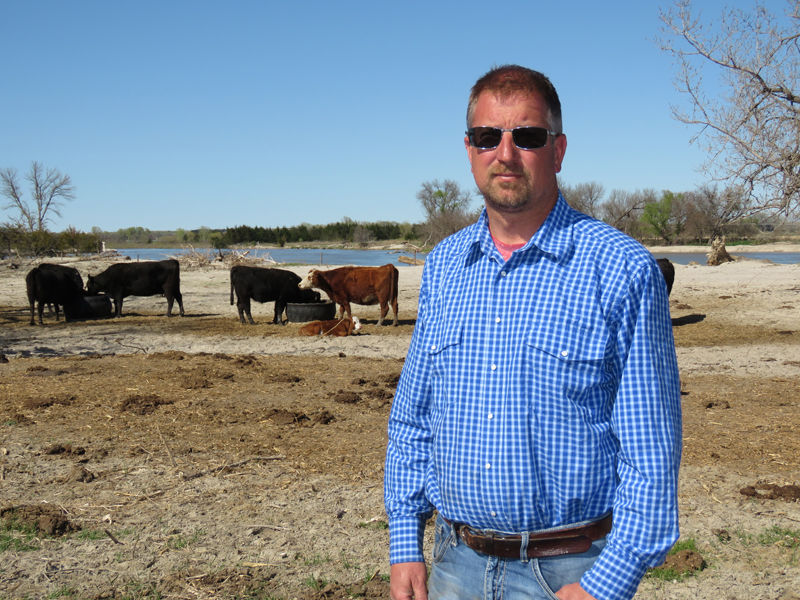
505, 203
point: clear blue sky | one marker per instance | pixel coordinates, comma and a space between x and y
193, 113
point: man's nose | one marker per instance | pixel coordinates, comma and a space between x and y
506, 149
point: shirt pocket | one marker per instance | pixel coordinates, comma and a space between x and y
568, 367
571, 342
445, 352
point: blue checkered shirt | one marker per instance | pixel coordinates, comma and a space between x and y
541, 392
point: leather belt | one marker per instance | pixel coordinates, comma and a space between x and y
540, 545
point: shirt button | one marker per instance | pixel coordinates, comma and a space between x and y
502, 273
497, 319
490, 416
565, 353
494, 367
494, 514
433, 347
488, 465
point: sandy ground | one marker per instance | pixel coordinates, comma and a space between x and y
180, 419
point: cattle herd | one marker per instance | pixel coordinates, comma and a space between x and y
61, 286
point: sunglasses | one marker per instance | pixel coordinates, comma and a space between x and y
526, 138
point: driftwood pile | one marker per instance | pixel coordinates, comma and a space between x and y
196, 259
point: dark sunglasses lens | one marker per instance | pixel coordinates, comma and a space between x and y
486, 137
530, 137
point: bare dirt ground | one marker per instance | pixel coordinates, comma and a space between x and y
195, 457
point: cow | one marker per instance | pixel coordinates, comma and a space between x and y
147, 278
668, 271
53, 284
334, 327
359, 285
267, 285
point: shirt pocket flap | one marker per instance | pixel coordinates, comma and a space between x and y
449, 334
571, 341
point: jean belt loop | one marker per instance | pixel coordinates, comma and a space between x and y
523, 547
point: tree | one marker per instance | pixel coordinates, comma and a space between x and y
623, 210
585, 197
748, 117
446, 208
49, 190
709, 210
663, 218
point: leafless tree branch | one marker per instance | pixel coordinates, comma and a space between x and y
748, 114
49, 190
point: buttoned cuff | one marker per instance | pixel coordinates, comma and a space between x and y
405, 539
614, 575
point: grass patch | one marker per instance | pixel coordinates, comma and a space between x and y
180, 541
687, 544
17, 537
317, 559
315, 584
378, 524
91, 534
780, 536
683, 561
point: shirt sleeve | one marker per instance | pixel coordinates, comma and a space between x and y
408, 450
646, 419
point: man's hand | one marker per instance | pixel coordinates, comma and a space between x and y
408, 580
574, 591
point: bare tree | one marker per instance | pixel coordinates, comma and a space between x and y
623, 210
49, 189
585, 197
446, 208
748, 117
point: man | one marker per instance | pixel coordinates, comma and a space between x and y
538, 411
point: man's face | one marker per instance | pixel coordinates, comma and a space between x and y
512, 179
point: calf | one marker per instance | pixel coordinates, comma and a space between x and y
267, 285
139, 279
359, 285
53, 284
668, 271
335, 327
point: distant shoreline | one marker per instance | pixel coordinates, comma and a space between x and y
732, 248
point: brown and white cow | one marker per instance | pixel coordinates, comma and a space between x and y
359, 285
335, 327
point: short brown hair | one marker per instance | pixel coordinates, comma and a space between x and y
509, 80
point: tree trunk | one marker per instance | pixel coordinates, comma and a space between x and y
718, 253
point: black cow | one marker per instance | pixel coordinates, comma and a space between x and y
266, 285
53, 284
668, 271
139, 279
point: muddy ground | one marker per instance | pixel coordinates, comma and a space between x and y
151, 472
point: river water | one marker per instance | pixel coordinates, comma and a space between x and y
298, 256
373, 258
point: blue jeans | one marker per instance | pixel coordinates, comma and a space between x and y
460, 573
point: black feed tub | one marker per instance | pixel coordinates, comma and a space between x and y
298, 312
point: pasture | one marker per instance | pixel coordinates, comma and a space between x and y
196, 457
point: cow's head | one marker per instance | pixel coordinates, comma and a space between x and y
91, 286
310, 281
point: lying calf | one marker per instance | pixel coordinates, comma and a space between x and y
338, 327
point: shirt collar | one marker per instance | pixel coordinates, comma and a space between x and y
554, 237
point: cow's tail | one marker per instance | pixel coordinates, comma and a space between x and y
395, 290
231, 289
